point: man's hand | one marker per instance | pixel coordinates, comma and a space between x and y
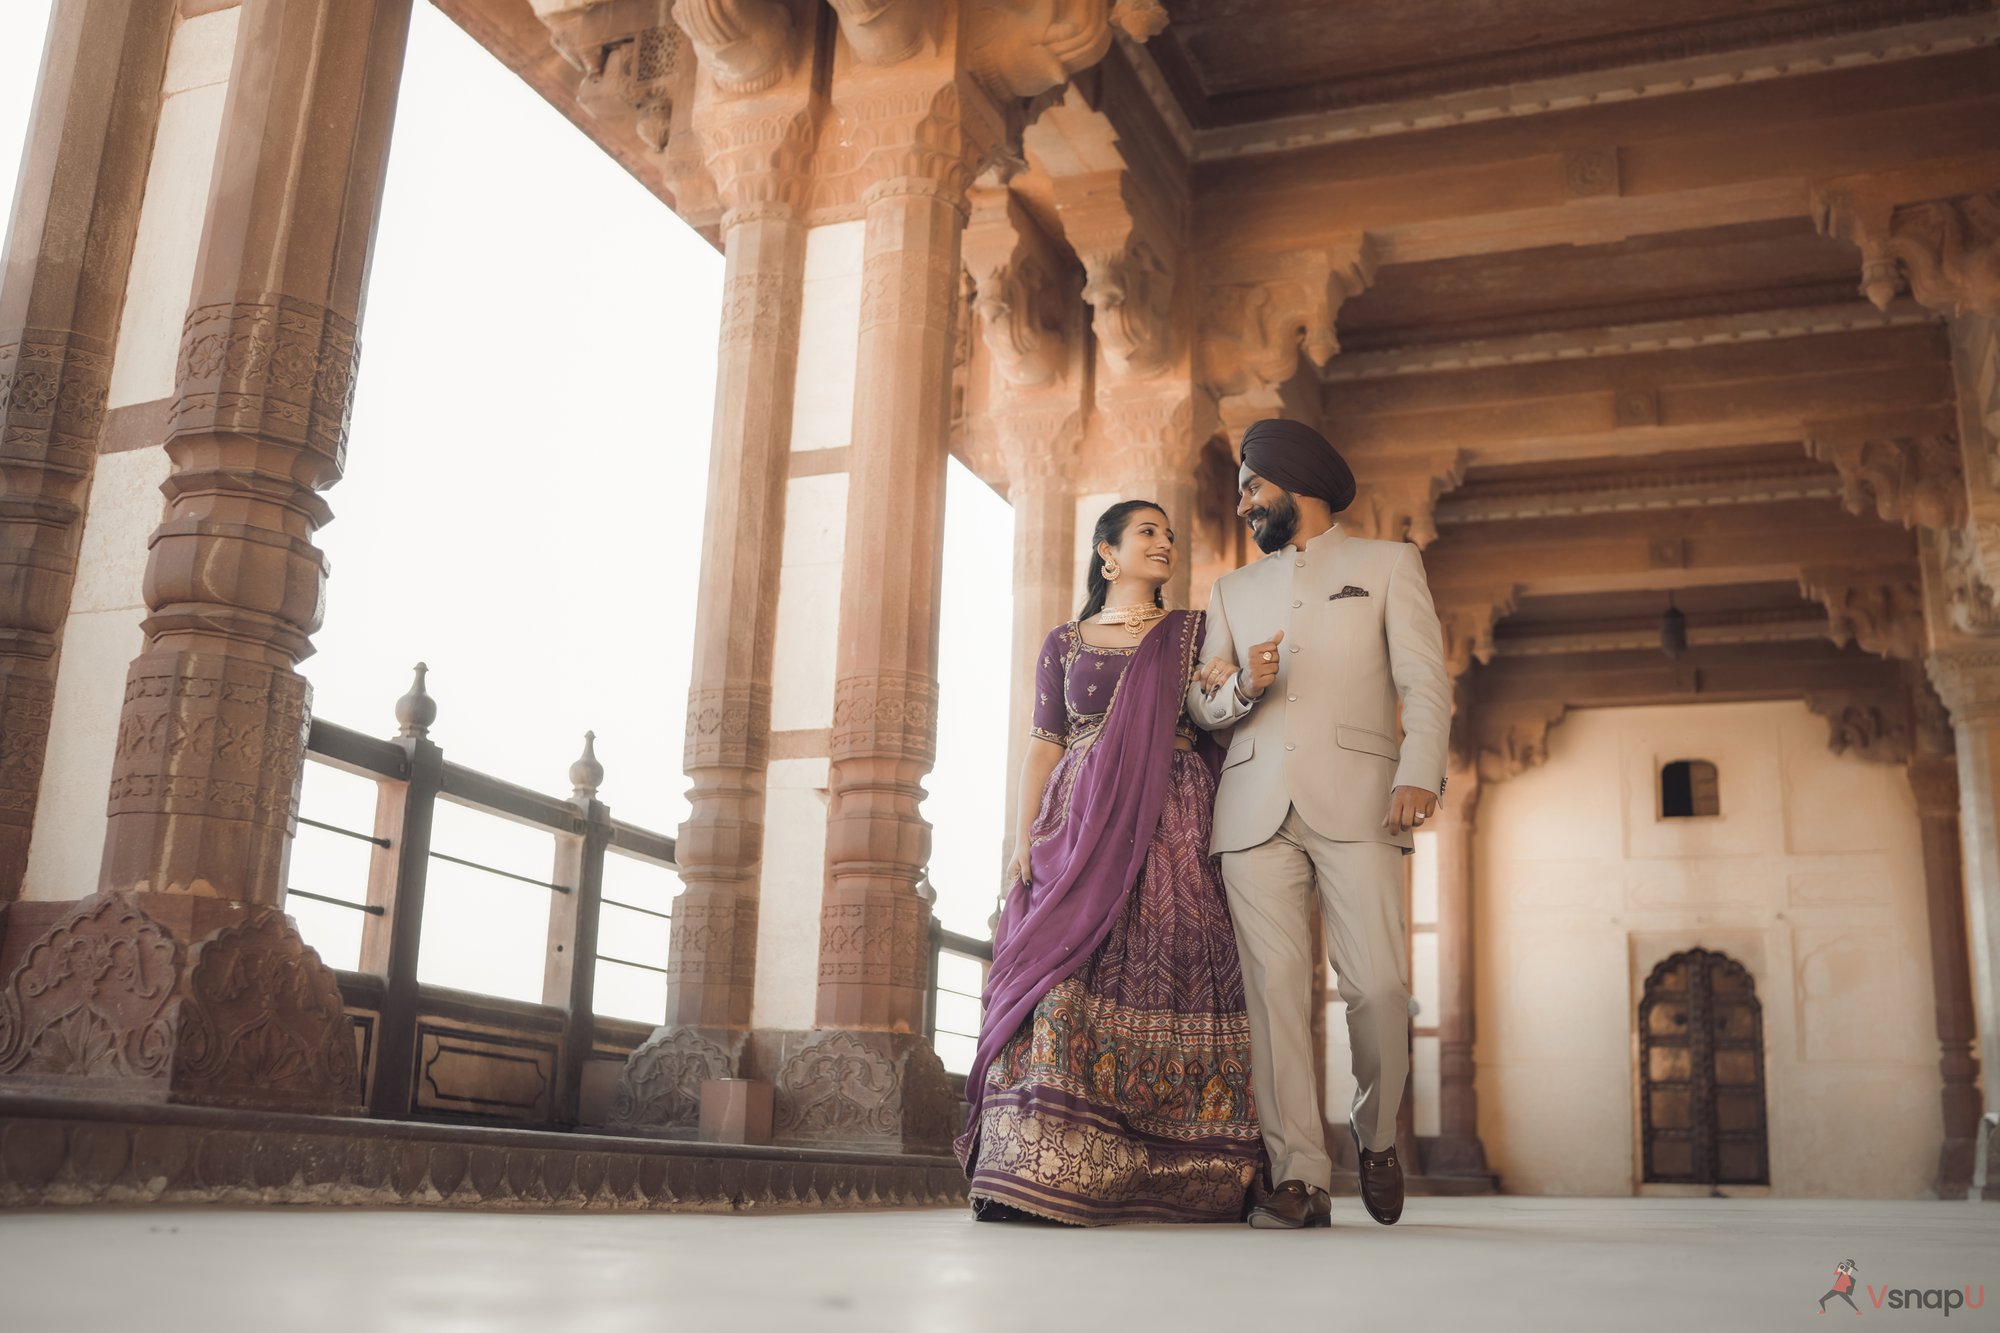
1263, 667
1410, 808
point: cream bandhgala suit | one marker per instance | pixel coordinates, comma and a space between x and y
1299, 810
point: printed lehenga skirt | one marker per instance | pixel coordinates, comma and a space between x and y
1126, 1096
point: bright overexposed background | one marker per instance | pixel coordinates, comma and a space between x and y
523, 512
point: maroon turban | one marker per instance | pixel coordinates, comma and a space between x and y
1297, 457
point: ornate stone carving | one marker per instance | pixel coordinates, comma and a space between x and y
278, 368
1913, 481
262, 1022
839, 1087
1884, 617
25, 706
879, 940
891, 713
1515, 739
918, 137
1018, 293
745, 45
1130, 290
1968, 592
53, 385
1945, 250
93, 996
1395, 503
660, 1086
882, 32
723, 726
1255, 317
631, 57
1967, 678
1468, 627
1870, 727
1023, 49
211, 736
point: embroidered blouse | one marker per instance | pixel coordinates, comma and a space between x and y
1074, 682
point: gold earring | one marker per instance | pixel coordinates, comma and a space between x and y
1110, 571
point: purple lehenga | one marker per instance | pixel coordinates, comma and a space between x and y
1112, 1076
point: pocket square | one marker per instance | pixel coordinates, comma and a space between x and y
1349, 591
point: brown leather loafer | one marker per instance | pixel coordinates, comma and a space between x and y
1291, 1206
1381, 1183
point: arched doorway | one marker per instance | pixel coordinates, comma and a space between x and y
1701, 1073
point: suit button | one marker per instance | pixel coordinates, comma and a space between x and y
1290, 746
1291, 698
1295, 647
1298, 603
1298, 564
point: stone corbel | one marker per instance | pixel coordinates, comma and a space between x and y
1869, 725
1514, 738
1398, 501
630, 55
1881, 616
1256, 316
882, 32
1468, 626
745, 45
758, 155
1916, 481
1038, 443
1964, 592
1019, 291
1022, 50
1934, 231
1153, 433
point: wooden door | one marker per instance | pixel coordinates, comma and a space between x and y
1701, 1073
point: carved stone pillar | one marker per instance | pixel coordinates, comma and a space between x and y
213, 996
76, 211
1040, 449
1967, 677
756, 148
1458, 1150
1933, 775
1152, 434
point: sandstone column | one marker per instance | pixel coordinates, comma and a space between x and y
1041, 489
76, 212
1967, 676
1933, 778
221, 1000
756, 144
1458, 1150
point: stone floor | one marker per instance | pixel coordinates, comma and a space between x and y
1486, 1263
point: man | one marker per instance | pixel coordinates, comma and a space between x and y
1309, 652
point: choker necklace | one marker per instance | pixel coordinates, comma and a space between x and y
1134, 618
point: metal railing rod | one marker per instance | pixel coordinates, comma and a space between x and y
495, 796
496, 870
373, 909
950, 941
643, 844
626, 962
345, 832
613, 902
356, 752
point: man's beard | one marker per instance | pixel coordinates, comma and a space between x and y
1274, 524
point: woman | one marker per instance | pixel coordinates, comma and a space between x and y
1111, 1082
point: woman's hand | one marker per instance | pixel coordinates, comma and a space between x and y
1215, 674
1018, 869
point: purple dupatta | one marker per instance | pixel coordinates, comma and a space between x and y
1083, 870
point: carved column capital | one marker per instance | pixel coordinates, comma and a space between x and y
1967, 677
1884, 616
759, 156
1934, 231
1911, 480
1038, 442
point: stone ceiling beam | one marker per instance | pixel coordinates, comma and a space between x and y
1606, 172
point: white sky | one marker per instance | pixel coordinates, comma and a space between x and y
523, 511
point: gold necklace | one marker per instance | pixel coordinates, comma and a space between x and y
1134, 618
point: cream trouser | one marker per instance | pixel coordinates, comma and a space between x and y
1361, 907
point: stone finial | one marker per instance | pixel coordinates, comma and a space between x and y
416, 710
586, 775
